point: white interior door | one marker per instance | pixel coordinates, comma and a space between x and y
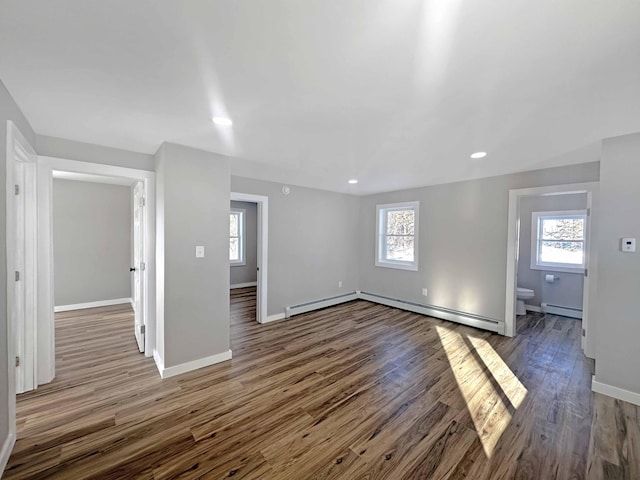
139, 266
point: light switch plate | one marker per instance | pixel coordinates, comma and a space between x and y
199, 251
628, 245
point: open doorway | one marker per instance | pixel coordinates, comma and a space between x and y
550, 264
98, 244
248, 222
50, 168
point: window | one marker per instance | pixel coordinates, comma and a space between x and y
558, 240
397, 236
236, 237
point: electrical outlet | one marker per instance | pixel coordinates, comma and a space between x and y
340, 284
424, 292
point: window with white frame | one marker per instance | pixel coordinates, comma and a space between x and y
558, 240
397, 235
236, 237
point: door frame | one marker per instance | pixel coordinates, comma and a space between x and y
263, 250
591, 189
46, 166
17, 145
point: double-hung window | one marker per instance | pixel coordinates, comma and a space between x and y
236, 237
397, 235
558, 240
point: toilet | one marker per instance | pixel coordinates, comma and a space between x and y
523, 294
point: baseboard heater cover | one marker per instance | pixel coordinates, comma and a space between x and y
318, 304
442, 313
560, 310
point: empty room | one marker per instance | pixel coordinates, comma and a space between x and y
319, 240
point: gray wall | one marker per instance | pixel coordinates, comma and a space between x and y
248, 272
313, 242
86, 152
193, 199
463, 240
618, 324
91, 241
567, 289
8, 111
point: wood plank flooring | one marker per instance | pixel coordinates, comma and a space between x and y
357, 391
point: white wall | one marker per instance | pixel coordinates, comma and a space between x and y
618, 317
462, 241
247, 273
313, 242
566, 291
91, 241
8, 111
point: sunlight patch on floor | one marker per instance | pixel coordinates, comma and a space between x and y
492, 393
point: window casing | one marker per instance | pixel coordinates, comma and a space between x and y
236, 237
397, 235
558, 241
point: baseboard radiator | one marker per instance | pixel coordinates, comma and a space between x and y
317, 304
560, 310
456, 316
451, 315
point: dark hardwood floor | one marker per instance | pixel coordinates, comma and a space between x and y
357, 391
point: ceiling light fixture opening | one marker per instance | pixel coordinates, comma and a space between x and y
222, 121
353, 181
479, 155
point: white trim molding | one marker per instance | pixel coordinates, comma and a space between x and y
5, 453
193, 365
615, 392
244, 285
100, 303
274, 318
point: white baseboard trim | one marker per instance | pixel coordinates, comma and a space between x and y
244, 285
318, 304
273, 318
532, 308
101, 303
195, 364
159, 361
437, 312
615, 392
5, 453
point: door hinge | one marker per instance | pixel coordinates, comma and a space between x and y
17, 275
17, 361
586, 272
142, 202
588, 212
143, 266
584, 332
16, 189
142, 329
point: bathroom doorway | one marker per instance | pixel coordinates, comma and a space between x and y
549, 263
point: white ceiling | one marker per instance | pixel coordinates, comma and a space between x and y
395, 93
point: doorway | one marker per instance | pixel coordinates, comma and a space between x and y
261, 264
519, 204
141, 184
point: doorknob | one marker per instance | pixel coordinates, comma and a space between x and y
132, 269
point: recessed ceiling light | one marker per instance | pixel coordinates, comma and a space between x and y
479, 155
222, 121
353, 181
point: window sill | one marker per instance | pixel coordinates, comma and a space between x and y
397, 266
559, 268
237, 264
